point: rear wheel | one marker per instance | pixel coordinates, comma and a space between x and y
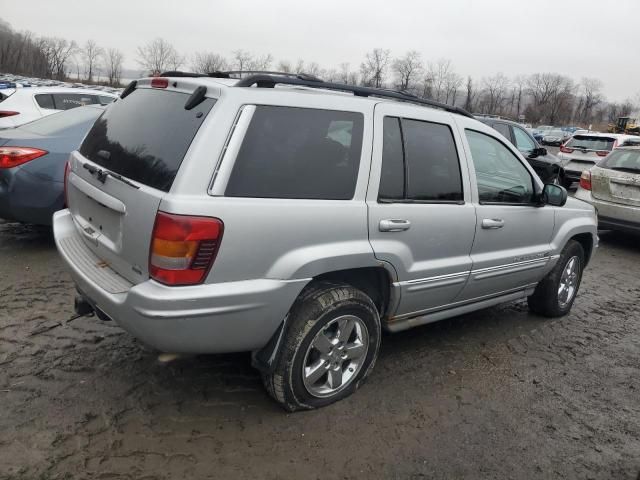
555, 294
331, 344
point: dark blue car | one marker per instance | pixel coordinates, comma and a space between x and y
32, 163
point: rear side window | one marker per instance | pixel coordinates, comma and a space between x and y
419, 162
45, 101
67, 101
145, 136
503, 128
298, 153
589, 142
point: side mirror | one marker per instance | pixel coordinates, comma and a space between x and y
553, 194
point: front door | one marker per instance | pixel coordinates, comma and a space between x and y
511, 246
421, 219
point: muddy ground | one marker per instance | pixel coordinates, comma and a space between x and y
497, 394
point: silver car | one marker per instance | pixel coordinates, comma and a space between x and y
296, 219
613, 188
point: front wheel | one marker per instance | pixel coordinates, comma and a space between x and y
331, 344
555, 294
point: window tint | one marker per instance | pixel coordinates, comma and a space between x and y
45, 101
590, 142
298, 153
64, 120
523, 142
145, 136
392, 175
500, 176
433, 170
503, 128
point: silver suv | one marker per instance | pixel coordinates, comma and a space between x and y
297, 219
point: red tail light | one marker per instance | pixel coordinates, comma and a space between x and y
8, 113
602, 153
13, 156
159, 82
183, 248
67, 167
585, 180
564, 149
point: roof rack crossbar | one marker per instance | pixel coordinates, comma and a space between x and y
270, 81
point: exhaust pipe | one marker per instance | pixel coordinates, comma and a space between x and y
82, 307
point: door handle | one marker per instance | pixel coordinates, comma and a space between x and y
394, 225
492, 223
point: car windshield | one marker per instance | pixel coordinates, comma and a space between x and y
590, 142
58, 122
624, 160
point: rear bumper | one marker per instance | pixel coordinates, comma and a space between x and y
26, 198
612, 216
218, 318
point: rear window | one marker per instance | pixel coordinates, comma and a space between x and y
624, 160
67, 101
589, 142
298, 153
58, 122
145, 136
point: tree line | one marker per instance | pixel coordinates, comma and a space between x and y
538, 98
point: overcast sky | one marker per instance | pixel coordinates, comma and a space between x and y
579, 38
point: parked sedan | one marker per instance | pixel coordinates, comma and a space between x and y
613, 188
555, 137
32, 163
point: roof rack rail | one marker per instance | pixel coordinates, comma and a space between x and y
270, 81
497, 117
240, 73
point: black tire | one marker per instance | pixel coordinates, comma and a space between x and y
318, 306
546, 300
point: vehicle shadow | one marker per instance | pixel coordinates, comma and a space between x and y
20, 236
620, 239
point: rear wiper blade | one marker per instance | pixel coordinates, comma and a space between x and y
102, 175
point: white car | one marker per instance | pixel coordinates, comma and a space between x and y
22, 105
613, 188
583, 151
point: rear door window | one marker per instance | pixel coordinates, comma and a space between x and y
292, 152
45, 101
419, 163
145, 136
590, 142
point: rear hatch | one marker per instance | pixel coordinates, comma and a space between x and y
124, 167
584, 151
617, 179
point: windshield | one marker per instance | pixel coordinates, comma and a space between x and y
623, 160
58, 122
589, 142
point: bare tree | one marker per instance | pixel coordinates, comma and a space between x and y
591, 98
437, 80
519, 83
207, 62
285, 66
469, 102
452, 83
158, 56
242, 60
374, 67
113, 59
58, 51
494, 93
91, 54
407, 69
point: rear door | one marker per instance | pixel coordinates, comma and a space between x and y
125, 166
421, 219
512, 235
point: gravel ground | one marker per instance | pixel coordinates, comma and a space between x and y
499, 394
